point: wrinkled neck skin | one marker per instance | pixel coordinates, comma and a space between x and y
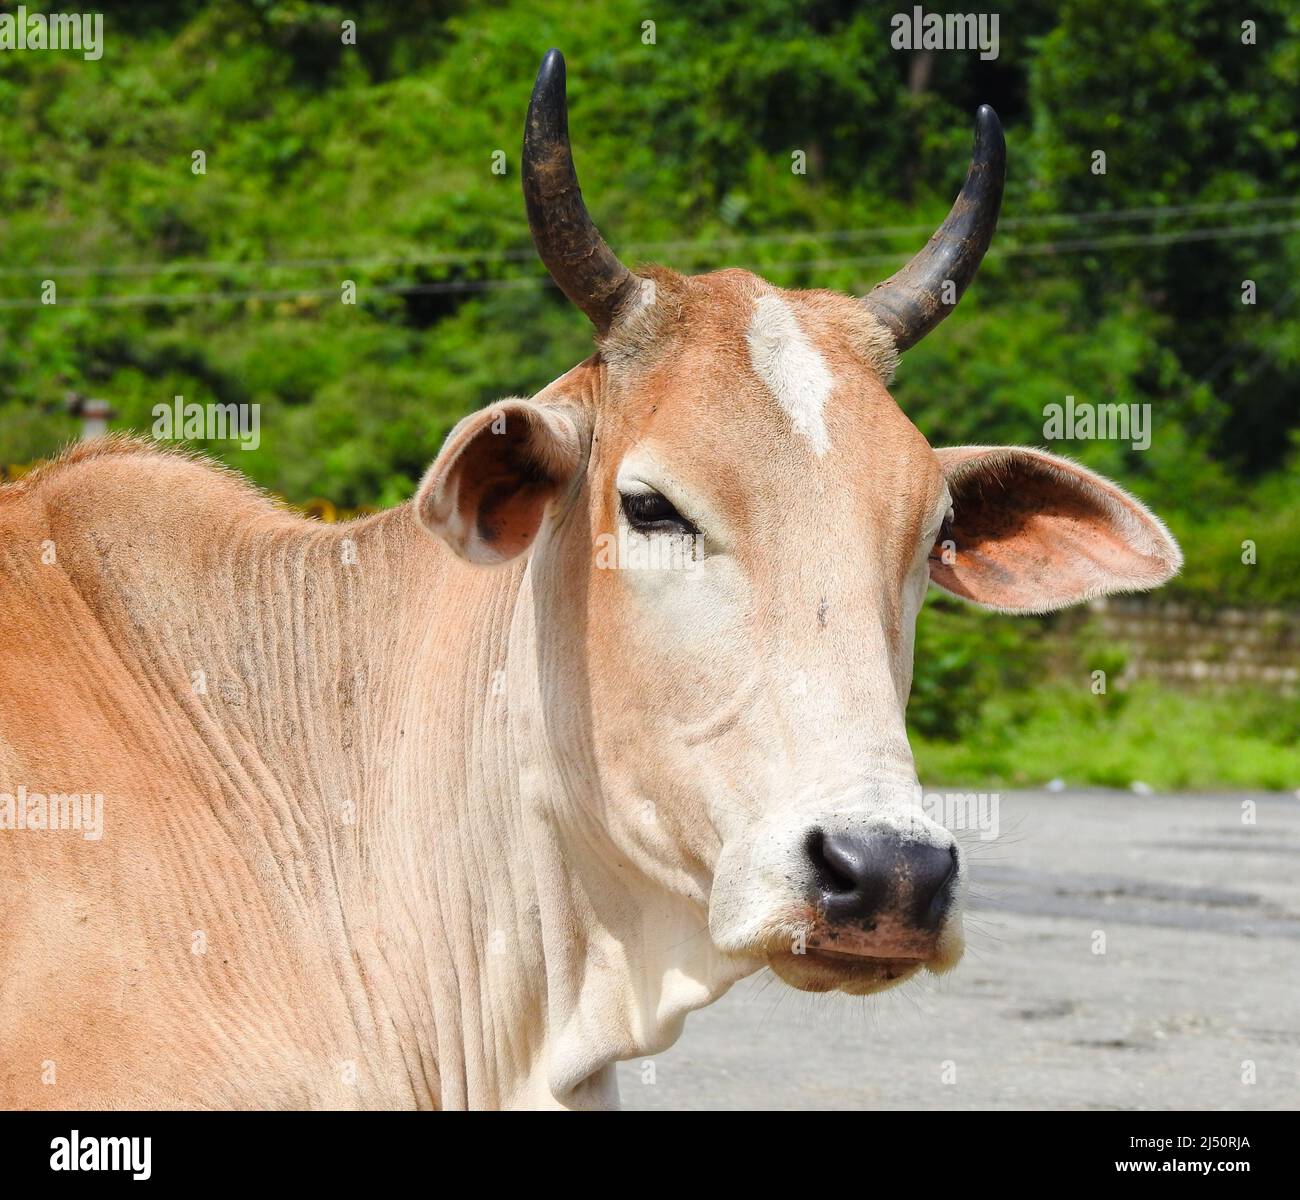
384, 805
521, 952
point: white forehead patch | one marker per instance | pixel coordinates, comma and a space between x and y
790, 365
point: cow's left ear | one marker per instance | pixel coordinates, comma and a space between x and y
486, 493
1031, 532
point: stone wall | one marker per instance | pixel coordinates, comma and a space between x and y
1180, 643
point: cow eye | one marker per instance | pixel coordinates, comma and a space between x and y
649, 512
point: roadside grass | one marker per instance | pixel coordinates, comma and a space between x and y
1146, 733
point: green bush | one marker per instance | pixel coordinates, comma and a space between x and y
1010, 701
1149, 734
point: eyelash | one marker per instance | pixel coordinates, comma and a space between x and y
650, 512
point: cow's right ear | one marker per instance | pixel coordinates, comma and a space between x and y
1031, 533
486, 493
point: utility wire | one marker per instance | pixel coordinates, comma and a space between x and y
1075, 245
525, 254
1069, 246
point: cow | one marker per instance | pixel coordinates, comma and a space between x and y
460, 804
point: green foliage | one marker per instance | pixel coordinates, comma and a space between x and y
1152, 735
1267, 516
1204, 119
964, 658
1010, 701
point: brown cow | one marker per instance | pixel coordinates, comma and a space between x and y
460, 804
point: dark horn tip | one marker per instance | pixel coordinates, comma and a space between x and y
988, 132
548, 99
552, 63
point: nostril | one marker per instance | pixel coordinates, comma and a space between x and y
857, 877
851, 875
831, 873
937, 889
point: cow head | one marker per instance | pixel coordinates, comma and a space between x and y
732, 526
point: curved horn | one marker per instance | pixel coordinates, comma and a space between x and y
566, 239
910, 302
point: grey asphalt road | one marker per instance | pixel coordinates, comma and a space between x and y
1196, 994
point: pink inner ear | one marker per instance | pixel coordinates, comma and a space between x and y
501, 490
486, 493
1034, 533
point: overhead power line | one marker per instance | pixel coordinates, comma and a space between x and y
632, 249
1069, 246
1075, 245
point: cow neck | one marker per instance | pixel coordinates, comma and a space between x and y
495, 922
